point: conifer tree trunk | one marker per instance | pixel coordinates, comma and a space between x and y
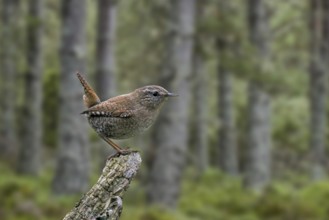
171, 132
105, 57
199, 104
228, 158
227, 138
72, 171
8, 75
30, 147
200, 108
258, 152
318, 73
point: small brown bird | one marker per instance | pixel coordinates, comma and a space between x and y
123, 116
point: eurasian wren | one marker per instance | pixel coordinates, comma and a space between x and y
123, 116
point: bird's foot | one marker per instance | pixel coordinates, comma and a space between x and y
122, 152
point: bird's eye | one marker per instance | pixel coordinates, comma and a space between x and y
155, 93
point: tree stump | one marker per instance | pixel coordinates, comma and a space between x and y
104, 199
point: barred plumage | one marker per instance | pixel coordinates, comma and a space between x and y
123, 116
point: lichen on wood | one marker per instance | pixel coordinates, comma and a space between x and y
104, 199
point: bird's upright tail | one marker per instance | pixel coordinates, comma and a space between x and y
90, 97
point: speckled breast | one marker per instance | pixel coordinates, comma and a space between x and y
119, 128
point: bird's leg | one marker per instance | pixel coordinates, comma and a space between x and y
119, 150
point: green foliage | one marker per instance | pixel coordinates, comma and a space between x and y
316, 196
211, 196
50, 108
290, 123
153, 213
284, 202
27, 198
216, 196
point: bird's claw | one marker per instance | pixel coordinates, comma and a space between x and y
122, 152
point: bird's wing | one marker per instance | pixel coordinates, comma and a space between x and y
110, 109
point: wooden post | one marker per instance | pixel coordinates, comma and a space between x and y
104, 199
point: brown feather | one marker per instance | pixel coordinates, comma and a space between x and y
90, 97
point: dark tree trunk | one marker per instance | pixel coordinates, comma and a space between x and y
105, 57
171, 132
228, 158
258, 153
227, 149
9, 11
72, 170
227, 137
318, 72
199, 104
30, 146
199, 113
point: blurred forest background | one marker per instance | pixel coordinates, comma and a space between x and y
246, 139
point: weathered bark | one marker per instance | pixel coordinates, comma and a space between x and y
227, 137
199, 114
105, 57
171, 133
104, 199
30, 147
8, 73
318, 73
258, 152
72, 171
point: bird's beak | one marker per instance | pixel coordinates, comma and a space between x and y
169, 94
